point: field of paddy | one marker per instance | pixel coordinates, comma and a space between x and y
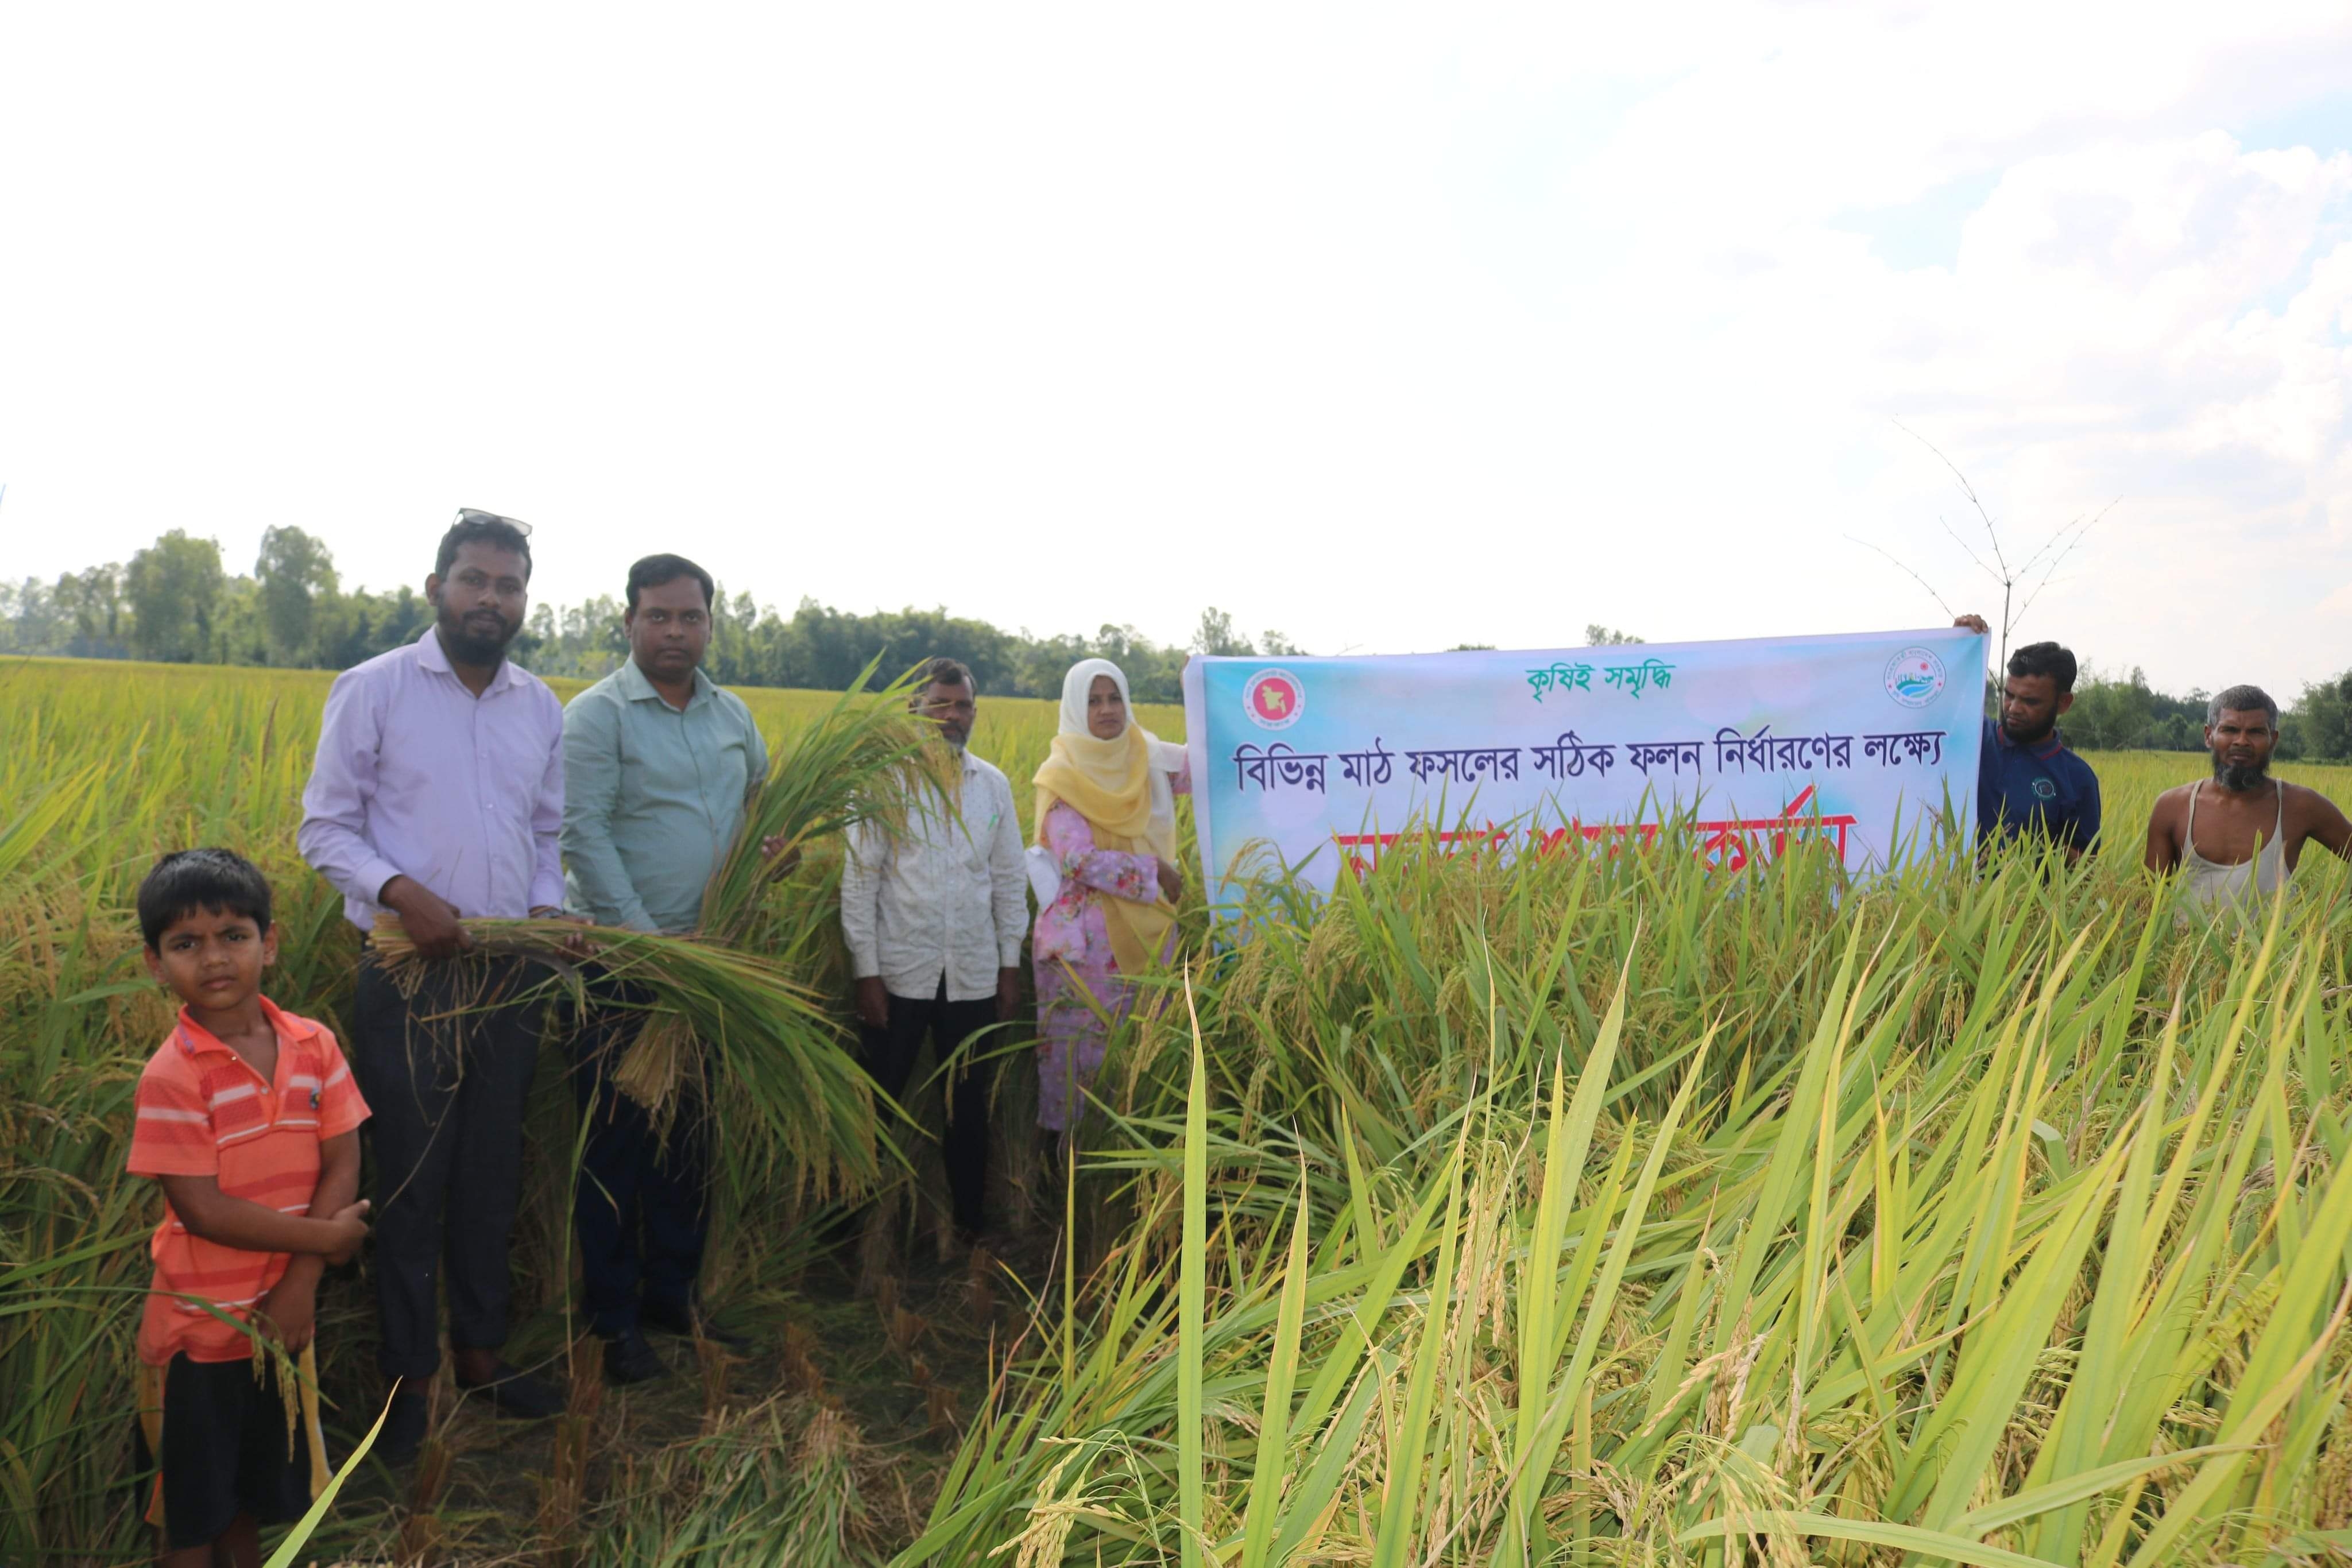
1570, 1211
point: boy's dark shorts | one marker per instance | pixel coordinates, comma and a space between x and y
227, 1449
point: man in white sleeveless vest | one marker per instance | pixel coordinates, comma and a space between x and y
2235, 837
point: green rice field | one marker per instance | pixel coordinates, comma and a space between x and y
1571, 1210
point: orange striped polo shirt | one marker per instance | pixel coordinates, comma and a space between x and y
204, 1111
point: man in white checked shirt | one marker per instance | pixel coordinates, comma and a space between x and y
934, 924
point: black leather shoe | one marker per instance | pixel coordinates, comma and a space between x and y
689, 1325
403, 1429
510, 1393
629, 1359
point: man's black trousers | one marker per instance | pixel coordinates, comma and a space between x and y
446, 1073
641, 1205
890, 1055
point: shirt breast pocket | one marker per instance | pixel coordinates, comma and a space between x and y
517, 749
734, 770
973, 836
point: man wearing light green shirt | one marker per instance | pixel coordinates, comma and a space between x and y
655, 780
659, 766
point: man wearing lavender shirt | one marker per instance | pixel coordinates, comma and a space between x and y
438, 793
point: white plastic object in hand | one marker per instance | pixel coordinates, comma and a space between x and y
1045, 876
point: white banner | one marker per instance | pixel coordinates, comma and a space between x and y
1758, 745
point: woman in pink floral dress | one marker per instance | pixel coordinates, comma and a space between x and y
1104, 868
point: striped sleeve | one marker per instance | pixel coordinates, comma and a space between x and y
173, 1134
340, 1105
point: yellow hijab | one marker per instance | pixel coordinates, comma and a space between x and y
1125, 798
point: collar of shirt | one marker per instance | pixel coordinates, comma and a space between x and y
2045, 749
431, 656
635, 686
195, 1040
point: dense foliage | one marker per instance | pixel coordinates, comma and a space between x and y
103, 766
1566, 1210
1614, 1211
176, 602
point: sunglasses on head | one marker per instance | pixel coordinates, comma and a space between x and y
475, 514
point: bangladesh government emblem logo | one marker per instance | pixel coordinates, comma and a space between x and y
1274, 698
1915, 677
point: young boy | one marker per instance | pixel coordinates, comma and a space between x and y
248, 1117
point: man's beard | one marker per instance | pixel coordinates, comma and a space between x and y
2035, 739
470, 647
2239, 775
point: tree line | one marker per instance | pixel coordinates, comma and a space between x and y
178, 602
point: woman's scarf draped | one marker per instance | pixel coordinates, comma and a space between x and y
1120, 788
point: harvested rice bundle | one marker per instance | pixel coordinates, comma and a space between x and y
740, 1030
777, 1046
867, 760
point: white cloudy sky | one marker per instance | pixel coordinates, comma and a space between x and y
1390, 327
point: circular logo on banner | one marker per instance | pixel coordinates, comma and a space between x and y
1915, 677
1274, 698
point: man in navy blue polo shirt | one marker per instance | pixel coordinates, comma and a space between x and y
2028, 785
